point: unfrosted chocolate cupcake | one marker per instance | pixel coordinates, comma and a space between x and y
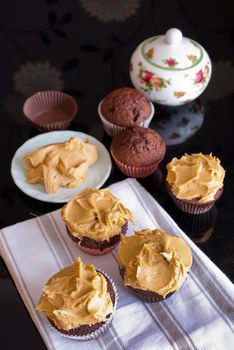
79, 301
123, 108
195, 182
137, 151
153, 264
94, 220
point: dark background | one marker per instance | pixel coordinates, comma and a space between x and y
84, 48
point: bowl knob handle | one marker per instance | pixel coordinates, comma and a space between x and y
174, 36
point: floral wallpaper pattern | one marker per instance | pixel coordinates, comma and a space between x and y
111, 10
32, 77
50, 51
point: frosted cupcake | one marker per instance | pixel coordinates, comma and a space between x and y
153, 264
94, 219
195, 182
79, 301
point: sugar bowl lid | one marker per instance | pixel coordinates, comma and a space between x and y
172, 51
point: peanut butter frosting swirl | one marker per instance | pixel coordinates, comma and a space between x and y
196, 176
95, 214
61, 164
77, 295
154, 261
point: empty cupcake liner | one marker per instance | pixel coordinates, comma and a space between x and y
188, 206
134, 171
59, 107
112, 129
98, 332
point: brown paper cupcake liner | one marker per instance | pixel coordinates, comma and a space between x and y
144, 295
92, 247
97, 252
134, 171
101, 327
50, 110
193, 206
113, 129
147, 296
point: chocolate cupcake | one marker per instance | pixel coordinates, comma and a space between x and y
153, 264
79, 301
123, 108
195, 182
138, 151
94, 220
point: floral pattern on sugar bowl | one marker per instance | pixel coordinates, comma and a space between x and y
149, 81
170, 69
202, 75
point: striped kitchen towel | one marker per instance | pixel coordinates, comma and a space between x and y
199, 316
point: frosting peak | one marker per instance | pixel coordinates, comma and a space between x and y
155, 261
76, 295
196, 176
95, 214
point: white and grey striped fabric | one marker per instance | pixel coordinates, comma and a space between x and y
199, 316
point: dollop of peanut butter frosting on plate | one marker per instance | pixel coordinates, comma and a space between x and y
196, 176
154, 261
77, 295
96, 214
61, 164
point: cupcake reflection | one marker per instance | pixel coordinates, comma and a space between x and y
198, 227
177, 124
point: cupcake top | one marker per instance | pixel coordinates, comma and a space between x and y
75, 296
138, 146
196, 176
60, 164
126, 107
154, 261
95, 214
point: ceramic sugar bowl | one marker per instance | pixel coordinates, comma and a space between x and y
170, 69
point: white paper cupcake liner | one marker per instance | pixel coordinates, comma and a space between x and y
112, 129
98, 332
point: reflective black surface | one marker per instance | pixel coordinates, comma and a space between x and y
87, 57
